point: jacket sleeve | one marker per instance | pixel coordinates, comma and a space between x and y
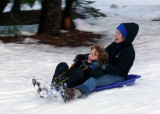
123, 61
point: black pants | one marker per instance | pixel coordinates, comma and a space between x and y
71, 77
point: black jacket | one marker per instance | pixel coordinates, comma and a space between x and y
121, 59
96, 73
90, 72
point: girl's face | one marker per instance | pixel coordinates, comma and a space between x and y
119, 37
93, 55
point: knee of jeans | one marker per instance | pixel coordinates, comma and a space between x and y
91, 82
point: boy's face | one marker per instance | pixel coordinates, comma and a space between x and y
119, 37
93, 55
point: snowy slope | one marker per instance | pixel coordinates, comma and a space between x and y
19, 63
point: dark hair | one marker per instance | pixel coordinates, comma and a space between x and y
102, 53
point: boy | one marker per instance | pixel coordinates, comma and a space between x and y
82, 70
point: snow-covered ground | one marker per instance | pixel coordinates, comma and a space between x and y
19, 63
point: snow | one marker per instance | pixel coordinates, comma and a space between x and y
19, 63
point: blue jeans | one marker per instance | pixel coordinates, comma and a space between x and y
89, 85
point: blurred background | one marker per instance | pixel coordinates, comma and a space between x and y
52, 18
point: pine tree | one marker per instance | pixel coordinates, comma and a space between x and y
50, 19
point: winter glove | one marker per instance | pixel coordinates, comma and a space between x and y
80, 57
96, 64
103, 66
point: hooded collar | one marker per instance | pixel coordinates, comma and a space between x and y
132, 30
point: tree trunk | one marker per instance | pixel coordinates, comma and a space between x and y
16, 6
50, 19
3, 4
67, 21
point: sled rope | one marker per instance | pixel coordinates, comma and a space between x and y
85, 68
68, 77
62, 81
63, 72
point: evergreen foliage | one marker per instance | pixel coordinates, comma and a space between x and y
84, 7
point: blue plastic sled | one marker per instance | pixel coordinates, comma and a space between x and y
130, 81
